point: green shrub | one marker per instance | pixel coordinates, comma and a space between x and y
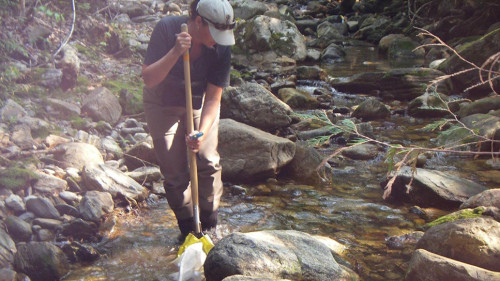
16, 178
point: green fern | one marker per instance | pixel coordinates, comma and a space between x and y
322, 140
357, 141
318, 141
437, 125
349, 126
389, 156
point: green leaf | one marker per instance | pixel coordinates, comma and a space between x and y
349, 125
435, 126
318, 141
389, 158
356, 141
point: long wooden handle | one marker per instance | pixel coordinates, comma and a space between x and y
193, 169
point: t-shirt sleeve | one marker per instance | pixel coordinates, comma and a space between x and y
159, 43
222, 66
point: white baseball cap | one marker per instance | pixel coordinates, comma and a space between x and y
220, 17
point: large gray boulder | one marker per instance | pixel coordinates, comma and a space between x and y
49, 184
41, 261
476, 52
141, 154
279, 254
307, 165
433, 188
253, 105
485, 125
62, 109
425, 266
333, 52
373, 28
104, 178
263, 33
298, 99
328, 32
249, 154
475, 241
371, 109
102, 105
77, 155
483, 105
405, 48
247, 9
95, 204
488, 198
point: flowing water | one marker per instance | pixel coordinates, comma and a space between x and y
349, 210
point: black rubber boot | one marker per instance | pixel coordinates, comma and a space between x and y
186, 226
208, 221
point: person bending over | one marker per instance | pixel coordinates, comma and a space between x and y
210, 33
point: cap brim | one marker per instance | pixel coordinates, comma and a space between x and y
222, 37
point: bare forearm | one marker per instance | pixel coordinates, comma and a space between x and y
210, 109
209, 113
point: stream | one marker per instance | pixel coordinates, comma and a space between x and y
349, 210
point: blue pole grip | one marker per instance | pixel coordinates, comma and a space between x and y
197, 136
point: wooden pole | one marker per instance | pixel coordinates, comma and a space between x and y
193, 169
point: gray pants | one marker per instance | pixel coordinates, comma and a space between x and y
167, 126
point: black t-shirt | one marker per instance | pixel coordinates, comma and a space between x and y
212, 66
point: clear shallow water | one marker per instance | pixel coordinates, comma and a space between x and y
349, 210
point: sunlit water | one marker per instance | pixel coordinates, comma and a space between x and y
349, 210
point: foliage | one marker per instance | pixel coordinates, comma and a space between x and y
8, 7
9, 45
49, 13
346, 126
16, 178
79, 123
133, 85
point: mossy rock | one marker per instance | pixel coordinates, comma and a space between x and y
16, 178
461, 214
129, 90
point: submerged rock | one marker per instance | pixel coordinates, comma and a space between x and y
405, 240
305, 165
364, 151
433, 188
400, 84
371, 109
